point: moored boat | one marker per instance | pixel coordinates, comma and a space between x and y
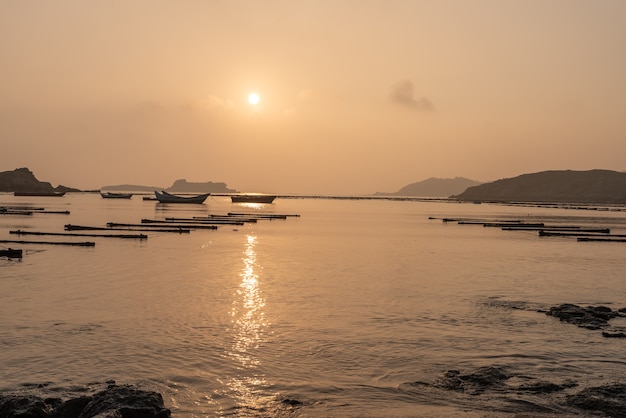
110, 195
252, 198
165, 197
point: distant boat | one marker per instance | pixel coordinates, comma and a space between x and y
50, 194
252, 198
165, 197
109, 195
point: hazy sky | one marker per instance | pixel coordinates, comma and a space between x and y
356, 96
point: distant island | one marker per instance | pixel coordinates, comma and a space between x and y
179, 186
23, 180
434, 187
593, 186
564, 186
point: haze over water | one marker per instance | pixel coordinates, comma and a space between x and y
355, 308
316, 97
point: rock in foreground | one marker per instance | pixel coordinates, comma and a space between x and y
113, 402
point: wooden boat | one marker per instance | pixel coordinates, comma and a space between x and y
165, 197
252, 198
109, 195
47, 194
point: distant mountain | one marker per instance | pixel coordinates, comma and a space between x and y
593, 186
183, 186
23, 180
434, 187
179, 186
130, 188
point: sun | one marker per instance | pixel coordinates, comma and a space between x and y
253, 99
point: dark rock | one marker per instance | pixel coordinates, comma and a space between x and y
114, 401
493, 388
292, 402
23, 407
545, 387
71, 408
614, 335
608, 399
474, 382
126, 402
590, 317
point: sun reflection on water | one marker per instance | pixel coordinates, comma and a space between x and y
249, 326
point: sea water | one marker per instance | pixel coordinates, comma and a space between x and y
356, 307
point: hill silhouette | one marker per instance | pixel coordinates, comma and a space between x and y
23, 180
593, 186
179, 186
434, 187
184, 186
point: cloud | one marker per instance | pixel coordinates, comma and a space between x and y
403, 93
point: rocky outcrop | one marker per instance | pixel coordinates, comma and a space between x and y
183, 186
593, 186
501, 390
591, 317
434, 187
115, 402
610, 400
23, 180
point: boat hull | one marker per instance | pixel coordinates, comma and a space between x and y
116, 195
164, 197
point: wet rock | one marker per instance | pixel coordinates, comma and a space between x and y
545, 387
71, 407
614, 335
590, 317
292, 402
15, 406
498, 390
113, 402
474, 382
609, 400
128, 402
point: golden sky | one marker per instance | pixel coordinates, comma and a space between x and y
355, 96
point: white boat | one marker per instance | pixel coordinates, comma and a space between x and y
165, 197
